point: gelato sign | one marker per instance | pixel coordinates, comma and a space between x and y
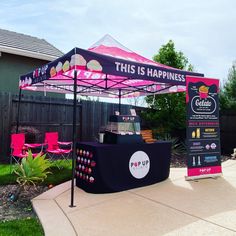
207, 105
203, 102
203, 132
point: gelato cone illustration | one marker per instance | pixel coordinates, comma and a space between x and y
53, 71
29, 81
203, 91
26, 81
94, 65
59, 68
66, 66
20, 83
78, 61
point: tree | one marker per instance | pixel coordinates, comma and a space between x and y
228, 92
167, 55
170, 109
168, 113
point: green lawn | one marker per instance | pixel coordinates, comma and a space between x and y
21, 227
31, 226
56, 177
5, 176
59, 176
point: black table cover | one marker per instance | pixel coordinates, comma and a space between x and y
106, 168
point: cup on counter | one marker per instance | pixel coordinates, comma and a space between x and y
101, 137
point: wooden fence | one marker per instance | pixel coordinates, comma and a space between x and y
95, 115
56, 114
52, 114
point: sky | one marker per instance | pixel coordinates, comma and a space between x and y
204, 30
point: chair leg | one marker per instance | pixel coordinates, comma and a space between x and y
61, 160
11, 164
52, 158
66, 157
58, 159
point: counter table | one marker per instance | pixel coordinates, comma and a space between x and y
107, 168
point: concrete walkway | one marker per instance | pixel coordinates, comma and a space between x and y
172, 207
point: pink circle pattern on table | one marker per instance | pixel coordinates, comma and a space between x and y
85, 165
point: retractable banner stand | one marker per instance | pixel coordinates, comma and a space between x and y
203, 132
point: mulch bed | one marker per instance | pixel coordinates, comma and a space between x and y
22, 208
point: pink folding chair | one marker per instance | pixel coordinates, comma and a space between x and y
19, 149
54, 149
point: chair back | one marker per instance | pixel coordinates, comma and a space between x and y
51, 139
17, 143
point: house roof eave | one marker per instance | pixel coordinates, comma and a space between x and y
26, 53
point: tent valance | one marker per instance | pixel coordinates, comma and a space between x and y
105, 71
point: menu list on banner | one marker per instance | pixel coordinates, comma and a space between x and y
203, 132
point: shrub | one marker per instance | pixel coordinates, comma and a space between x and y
177, 148
32, 134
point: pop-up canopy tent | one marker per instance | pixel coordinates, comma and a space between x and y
106, 69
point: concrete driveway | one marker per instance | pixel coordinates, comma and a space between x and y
172, 207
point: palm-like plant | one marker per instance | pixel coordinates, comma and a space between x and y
31, 171
177, 148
